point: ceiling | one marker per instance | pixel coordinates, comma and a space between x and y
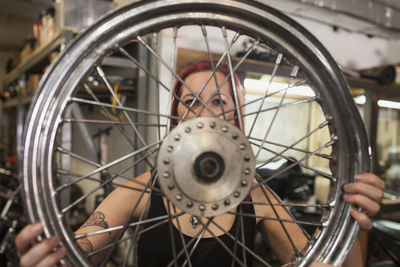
374, 17
379, 18
16, 20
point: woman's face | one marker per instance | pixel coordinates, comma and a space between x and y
217, 103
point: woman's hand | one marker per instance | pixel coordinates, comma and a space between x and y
366, 192
45, 253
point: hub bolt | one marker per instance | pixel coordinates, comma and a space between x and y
177, 137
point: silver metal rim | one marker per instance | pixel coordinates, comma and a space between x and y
253, 19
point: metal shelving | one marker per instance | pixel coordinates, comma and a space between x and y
59, 39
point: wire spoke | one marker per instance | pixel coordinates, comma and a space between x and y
287, 204
299, 83
210, 58
288, 104
109, 115
85, 196
120, 227
123, 227
242, 234
160, 59
154, 44
128, 109
323, 124
95, 164
146, 204
298, 222
132, 242
197, 237
166, 220
158, 81
110, 89
120, 128
72, 120
238, 64
324, 174
276, 92
293, 74
64, 172
277, 216
184, 246
171, 235
94, 252
107, 166
227, 249
152, 180
237, 241
277, 64
203, 87
322, 147
325, 156
197, 97
173, 66
235, 94
101, 185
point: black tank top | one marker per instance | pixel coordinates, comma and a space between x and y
155, 246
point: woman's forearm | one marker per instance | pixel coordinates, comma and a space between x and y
354, 259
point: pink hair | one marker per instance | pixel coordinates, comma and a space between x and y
204, 66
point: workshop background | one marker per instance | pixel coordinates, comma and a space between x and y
363, 36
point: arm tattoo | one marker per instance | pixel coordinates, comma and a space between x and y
85, 244
96, 219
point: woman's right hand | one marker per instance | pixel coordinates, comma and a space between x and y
45, 253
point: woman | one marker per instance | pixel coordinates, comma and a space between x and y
366, 193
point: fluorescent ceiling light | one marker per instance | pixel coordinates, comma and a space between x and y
301, 90
262, 85
360, 100
388, 104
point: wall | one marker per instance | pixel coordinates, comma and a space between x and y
354, 50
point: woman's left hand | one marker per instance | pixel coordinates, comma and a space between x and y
366, 192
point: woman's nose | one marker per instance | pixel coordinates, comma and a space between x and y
207, 112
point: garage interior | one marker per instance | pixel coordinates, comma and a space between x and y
363, 37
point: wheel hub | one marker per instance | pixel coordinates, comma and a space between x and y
206, 166
209, 167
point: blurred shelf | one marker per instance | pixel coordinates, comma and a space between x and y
14, 102
38, 55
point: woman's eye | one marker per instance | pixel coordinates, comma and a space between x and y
189, 101
219, 101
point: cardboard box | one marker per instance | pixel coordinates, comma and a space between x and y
33, 83
16, 58
26, 52
53, 57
